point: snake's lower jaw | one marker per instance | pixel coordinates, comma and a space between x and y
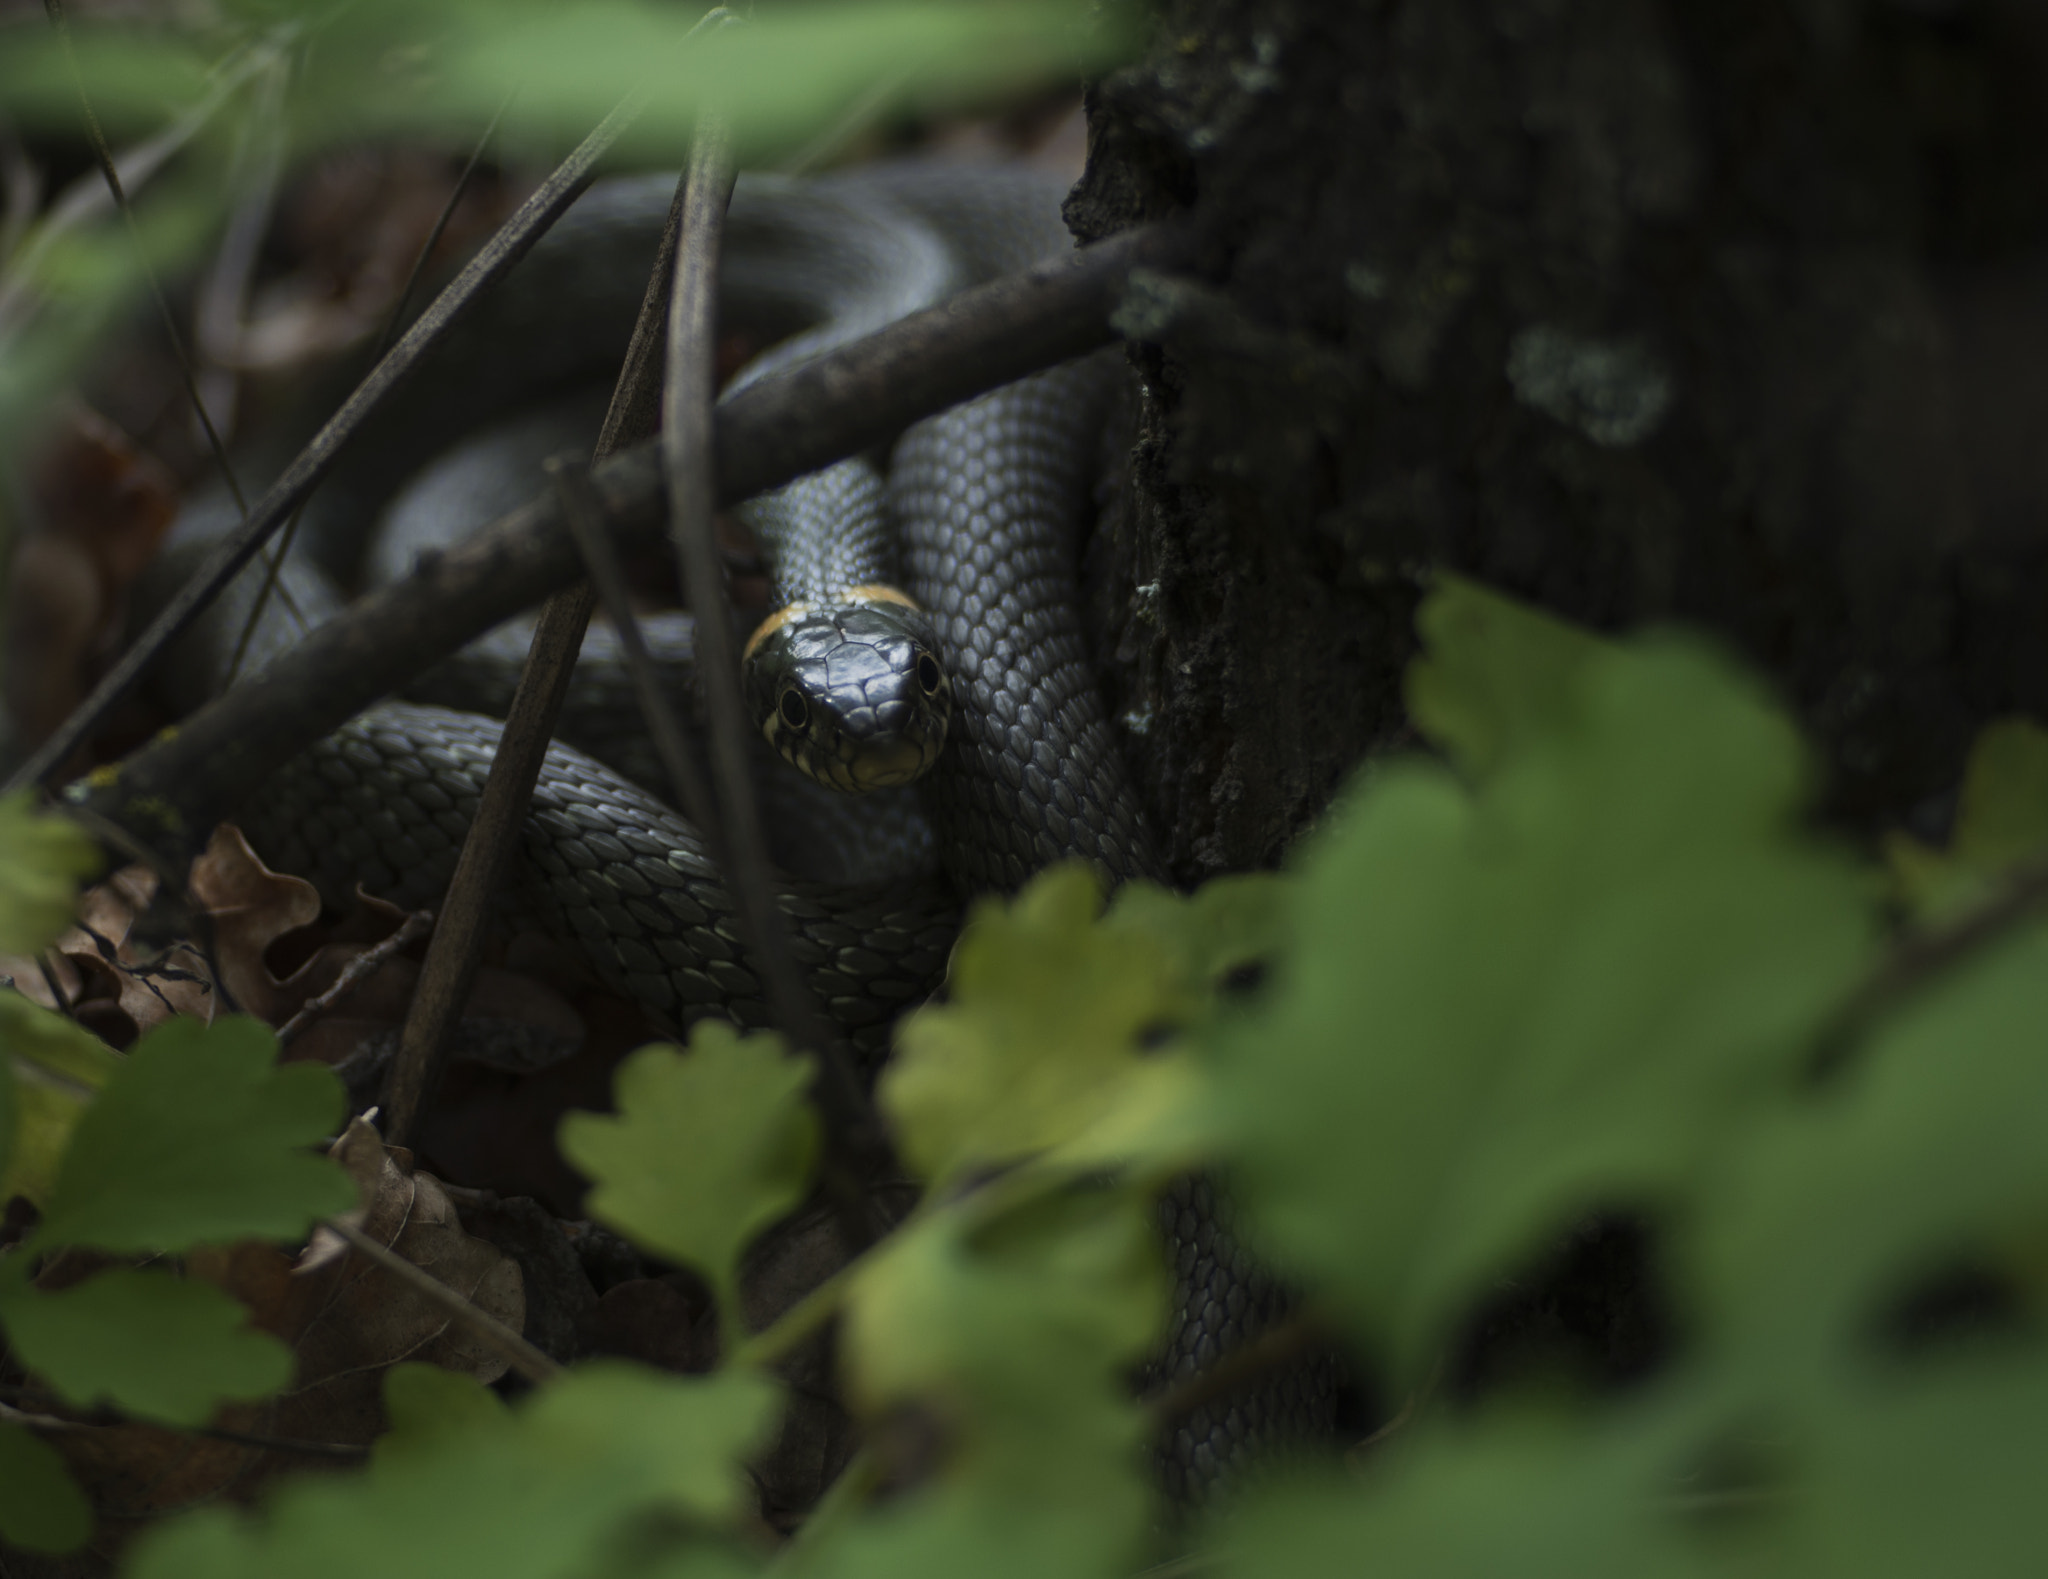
892, 766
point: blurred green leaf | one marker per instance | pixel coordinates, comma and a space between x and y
1510, 1006
1525, 1496
41, 1508
1229, 926
51, 1069
992, 1357
424, 1402
43, 857
1828, 1213
1053, 1036
708, 1148
2001, 821
202, 1137
152, 1344
1495, 674
1933, 1473
536, 1492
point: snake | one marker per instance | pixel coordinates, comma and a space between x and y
949, 566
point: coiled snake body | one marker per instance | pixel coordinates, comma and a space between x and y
987, 498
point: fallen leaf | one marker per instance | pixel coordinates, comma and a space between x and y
114, 984
367, 1320
275, 961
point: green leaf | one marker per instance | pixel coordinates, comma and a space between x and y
201, 1138
41, 1507
1510, 1006
42, 860
1229, 926
425, 1403
1526, 1496
1496, 674
154, 1345
536, 1492
709, 1147
789, 72
1827, 1213
56, 1066
1933, 1473
1051, 1037
1004, 1346
2001, 821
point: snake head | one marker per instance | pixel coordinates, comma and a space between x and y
852, 691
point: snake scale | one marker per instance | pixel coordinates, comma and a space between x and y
988, 500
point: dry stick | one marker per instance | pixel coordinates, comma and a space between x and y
492, 843
487, 854
29, 1408
174, 789
522, 1356
515, 238
601, 561
86, 196
355, 973
105, 156
1921, 956
275, 562
856, 1151
1270, 1350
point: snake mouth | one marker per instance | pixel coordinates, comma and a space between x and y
889, 767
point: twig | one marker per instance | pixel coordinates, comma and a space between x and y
88, 195
275, 560
522, 1356
487, 854
858, 117
789, 423
1271, 1349
585, 516
355, 973
1921, 956
492, 843
105, 157
23, 184
32, 1409
514, 239
856, 1150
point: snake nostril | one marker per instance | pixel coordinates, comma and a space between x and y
928, 674
796, 712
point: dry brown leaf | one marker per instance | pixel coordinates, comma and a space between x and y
261, 928
366, 1320
115, 988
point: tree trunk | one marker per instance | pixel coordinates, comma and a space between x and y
1725, 312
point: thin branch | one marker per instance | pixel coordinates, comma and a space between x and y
355, 973
33, 1409
105, 156
1921, 956
88, 195
585, 516
512, 242
856, 1149
1301, 1332
491, 846
275, 559
488, 852
173, 790
500, 1339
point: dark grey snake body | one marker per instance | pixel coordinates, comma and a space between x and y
988, 498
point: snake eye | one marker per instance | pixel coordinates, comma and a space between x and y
928, 674
796, 712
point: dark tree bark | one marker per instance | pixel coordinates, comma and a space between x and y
1727, 312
